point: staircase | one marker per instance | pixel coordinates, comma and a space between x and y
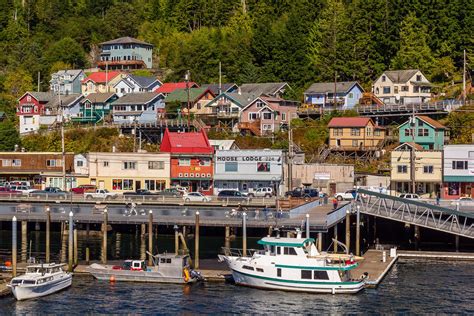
252, 127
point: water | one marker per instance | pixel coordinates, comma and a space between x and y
411, 287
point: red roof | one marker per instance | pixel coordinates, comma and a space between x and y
169, 87
100, 76
349, 122
184, 143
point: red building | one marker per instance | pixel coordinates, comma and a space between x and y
191, 160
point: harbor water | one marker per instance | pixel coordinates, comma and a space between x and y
410, 287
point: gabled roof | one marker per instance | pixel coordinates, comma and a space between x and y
42, 97
349, 121
244, 99
269, 88
169, 87
101, 76
137, 98
125, 40
181, 95
98, 97
409, 144
190, 142
400, 76
144, 82
222, 144
214, 87
328, 87
72, 72
66, 100
428, 120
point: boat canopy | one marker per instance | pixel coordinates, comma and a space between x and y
286, 242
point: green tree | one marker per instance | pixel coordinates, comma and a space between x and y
17, 82
67, 51
9, 136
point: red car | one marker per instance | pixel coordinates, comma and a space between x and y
8, 191
84, 188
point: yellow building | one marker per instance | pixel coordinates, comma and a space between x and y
428, 170
354, 134
120, 172
101, 82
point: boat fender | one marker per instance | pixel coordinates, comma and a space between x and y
364, 275
186, 275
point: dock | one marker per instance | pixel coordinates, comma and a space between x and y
373, 264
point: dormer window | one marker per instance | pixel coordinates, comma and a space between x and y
260, 104
418, 77
384, 78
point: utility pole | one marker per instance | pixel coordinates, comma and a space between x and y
63, 149
412, 151
290, 156
106, 77
464, 79
39, 80
335, 89
220, 79
187, 77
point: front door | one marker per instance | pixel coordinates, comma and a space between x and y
138, 185
332, 189
101, 184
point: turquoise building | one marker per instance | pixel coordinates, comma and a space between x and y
428, 133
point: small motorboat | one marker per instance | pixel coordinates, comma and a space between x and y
167, 268
40, 280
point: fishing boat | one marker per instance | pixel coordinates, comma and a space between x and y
166, 268
293, 264
40, 280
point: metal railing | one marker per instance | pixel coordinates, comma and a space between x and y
238, 252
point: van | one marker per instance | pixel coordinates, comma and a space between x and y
232, 195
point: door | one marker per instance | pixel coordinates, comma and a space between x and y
101, 184
138, 185
332, 189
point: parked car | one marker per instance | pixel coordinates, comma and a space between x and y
196, 197
140, 192
84, 188
22, 188
232, 195
262, 192
464, 201
18, 183
170, 192
50, 192
100, 194
347, 195
8, 191
302, 193
409, 196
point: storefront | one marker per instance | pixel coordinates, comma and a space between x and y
458, 171
248, 170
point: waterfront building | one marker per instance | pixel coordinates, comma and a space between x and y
40, 169
321, 95
458, 171
402, 87
120, 172
355, 134
424, 131
95, 108
125, 53
191, 160
428, 165
66, 81
136, 84
248, 170
141, 107
101, 82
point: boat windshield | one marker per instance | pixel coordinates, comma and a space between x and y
17, 281
33, 270
29, 281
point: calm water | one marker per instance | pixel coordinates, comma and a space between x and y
411, 287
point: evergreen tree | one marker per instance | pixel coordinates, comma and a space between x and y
9, 136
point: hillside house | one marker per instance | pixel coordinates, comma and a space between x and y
95, 108
271, 89
66, 81
168, 87
225, 87
402, 87
198, 99
428, 133
321, 95
101, 82
125, 53
138, 107
355, 134
136, 84
31, 106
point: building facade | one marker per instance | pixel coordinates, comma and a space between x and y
66, 81
101, 82
425, 131
136, 84
122, 172
248, 170
458, 171
125, 53
138, 107
354, 134
321, 95
31, 106
95, 108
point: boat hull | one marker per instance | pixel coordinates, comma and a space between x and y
24, 292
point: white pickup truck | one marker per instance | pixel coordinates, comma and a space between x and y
100, 194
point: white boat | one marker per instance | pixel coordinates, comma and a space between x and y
40, 280
293, 264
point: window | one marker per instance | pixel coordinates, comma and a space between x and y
377, 132
278, 272
418, 77
416, 89
306, 274
231, 166
427, 169
79, 163
423, 132
127, 184
386, 90
368, 131
105, 163
267, 116
184, 162
420, 123
267, 127
6, 162
129, 165
247, 267
384, 78
116, 184
263, 167
460, 164
355, 131
337, 132
260, 104
354, 143
283, 116
320, 275
53, 163
402, 169
278, 250
289, 251
259, 269
253, 116
404, 88
205, 161
408, 132
160, 165
155, 185
395, 89
351, 95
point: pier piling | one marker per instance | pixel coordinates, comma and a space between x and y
14, 245
70, 246
227, 237
150, 237
244, 234
87, 255
358, 231
320, 241
76, 259
335, 238
457, 243
24, 240
104, 237
307, 226
196, 242
348, 231
48, 232
417, 237
176, 239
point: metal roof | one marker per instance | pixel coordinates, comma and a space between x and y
288, 242
125, 40
328, 87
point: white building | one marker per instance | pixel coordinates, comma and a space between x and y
458, 171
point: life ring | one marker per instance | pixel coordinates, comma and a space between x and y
186, 275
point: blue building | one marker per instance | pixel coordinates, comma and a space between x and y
142, 107
424, 131
66, 81
125, 53
321, 95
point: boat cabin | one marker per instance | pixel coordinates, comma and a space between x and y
275, 246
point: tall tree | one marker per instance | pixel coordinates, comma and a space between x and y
67, 51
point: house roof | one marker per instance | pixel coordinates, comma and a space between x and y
222, 144
181, 95
72, 72
42, 97
66, 100
349, 122
98, 97
143, 81
125, 40
410, 144
243, 99
190, 142
328, 87
430, 121
214, 87
269, 88
169, 87
101, 76
400, 76
137, 98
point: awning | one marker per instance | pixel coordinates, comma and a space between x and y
191, 179
458, 179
